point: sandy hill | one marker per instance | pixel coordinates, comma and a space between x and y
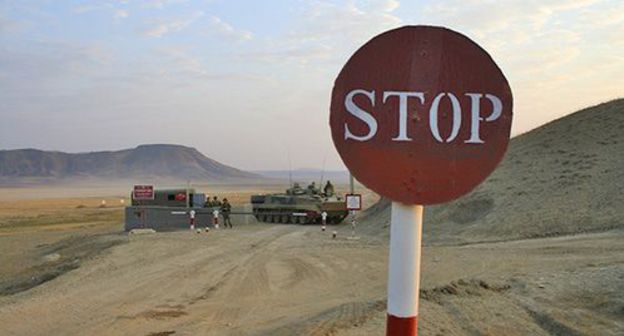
152, 161
565, 177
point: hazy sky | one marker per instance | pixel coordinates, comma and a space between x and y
248, 82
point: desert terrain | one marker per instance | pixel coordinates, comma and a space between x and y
68, 269
535, 250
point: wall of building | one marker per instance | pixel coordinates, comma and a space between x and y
177, 218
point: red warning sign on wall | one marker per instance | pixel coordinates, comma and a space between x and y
143, 192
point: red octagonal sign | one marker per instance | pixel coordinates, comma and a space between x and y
421, 114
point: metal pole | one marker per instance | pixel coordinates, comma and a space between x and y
351, 184
323, 172
290, 182
404, 269
352, 212
188, 185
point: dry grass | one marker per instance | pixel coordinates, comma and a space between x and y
58, 214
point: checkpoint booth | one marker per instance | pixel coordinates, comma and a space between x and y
165, 209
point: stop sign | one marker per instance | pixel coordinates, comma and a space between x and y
421, 114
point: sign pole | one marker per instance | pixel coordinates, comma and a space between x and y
404, 269
352, 223
188, 185
351, 184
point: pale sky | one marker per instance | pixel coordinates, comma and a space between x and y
248, 83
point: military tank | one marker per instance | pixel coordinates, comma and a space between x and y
299, 206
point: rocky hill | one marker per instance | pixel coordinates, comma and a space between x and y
565, 177
146, 161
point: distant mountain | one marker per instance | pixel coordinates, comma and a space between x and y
172, 162
565, 177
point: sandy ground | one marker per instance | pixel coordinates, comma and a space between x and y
262, 279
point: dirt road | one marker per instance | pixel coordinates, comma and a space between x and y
255, 278
296, 280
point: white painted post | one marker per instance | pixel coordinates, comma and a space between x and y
192, 219
215, 215
404, 269
352, 212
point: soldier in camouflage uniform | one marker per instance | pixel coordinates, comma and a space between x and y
312, 188
215, 202
329, 189
226, 208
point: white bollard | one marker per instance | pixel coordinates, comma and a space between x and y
215, 218
404, 269
192, 219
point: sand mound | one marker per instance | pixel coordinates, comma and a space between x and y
565, 177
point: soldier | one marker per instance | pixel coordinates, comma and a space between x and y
208, 203
329, 189
215, 202
226, 208
312, 188
296, 189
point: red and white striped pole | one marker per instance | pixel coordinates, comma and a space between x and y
192, 219
404, 269
215, 220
